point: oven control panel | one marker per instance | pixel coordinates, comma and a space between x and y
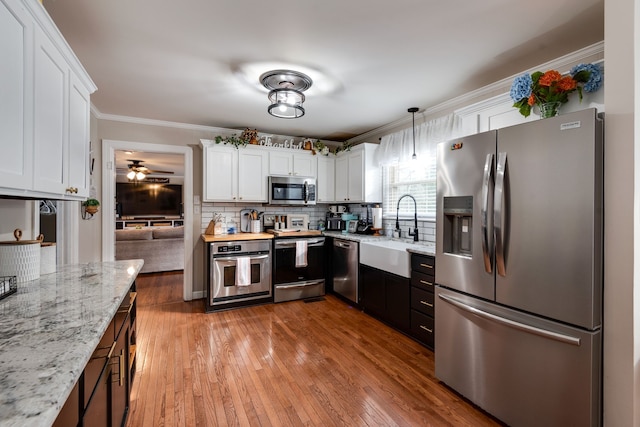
239, 248
230, 248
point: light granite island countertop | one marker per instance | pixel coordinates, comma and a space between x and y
49, 330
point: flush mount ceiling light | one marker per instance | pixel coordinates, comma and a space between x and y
285, 92
413, 111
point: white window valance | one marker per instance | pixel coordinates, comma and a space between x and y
398, 146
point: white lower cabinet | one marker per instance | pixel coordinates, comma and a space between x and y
234, 175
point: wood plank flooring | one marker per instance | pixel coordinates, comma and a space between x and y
320, 363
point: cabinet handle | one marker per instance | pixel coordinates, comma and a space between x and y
71, 190
426, 283
428, 304
108, 356
426, 329
122, 367
127, 309
426, 265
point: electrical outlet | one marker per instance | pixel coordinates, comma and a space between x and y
267, 220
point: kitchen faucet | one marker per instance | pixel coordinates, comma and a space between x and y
415, 217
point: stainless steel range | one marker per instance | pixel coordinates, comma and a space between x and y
298, 270
298, 259
240, 273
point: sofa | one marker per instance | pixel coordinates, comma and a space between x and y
161, 248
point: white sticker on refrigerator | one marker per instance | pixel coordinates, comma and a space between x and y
570, 125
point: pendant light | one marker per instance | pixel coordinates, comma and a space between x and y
285, 92
413, 111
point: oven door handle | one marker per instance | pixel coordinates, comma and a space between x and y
235, 257
288, 244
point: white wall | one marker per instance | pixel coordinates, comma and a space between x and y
90, 244
18, 214
621, 336
621, 332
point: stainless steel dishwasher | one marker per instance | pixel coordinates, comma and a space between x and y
345, 261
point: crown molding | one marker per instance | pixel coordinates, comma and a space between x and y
152, 122
468, 102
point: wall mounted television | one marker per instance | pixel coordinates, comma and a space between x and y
148, 200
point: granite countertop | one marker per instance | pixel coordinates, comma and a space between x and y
353, 237
49, 330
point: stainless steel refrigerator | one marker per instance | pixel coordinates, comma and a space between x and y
519, 255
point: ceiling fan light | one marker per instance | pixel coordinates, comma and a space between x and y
131, 175
140, 176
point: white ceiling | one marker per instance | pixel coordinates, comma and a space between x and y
178, 61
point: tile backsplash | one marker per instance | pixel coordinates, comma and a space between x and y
231, 211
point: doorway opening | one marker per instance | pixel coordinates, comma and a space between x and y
184, 156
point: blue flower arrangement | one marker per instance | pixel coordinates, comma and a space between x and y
552, 87
594, 81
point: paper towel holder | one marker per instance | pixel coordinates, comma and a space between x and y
376, 220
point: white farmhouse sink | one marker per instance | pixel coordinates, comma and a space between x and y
388, 255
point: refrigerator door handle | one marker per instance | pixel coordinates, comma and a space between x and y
497, 213
511, 323
486, 178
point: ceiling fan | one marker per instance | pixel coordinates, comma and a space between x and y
137, 171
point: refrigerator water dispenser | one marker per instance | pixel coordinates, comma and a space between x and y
458, 225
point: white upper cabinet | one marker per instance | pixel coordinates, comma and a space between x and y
326, 179
358, 178
49, 128
252, 176
220, 172
285, 162
16, 66
79, 134
234, 175
45, 113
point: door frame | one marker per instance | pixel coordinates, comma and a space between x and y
109, 147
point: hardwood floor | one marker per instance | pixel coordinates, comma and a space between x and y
320, 363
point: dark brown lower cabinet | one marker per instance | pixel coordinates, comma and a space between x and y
101, 396
120, 379
97, 410
386, 296
423, 270
70, 413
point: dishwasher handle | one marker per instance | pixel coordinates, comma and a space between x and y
343, 244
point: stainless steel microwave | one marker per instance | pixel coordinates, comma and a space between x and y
292, 190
